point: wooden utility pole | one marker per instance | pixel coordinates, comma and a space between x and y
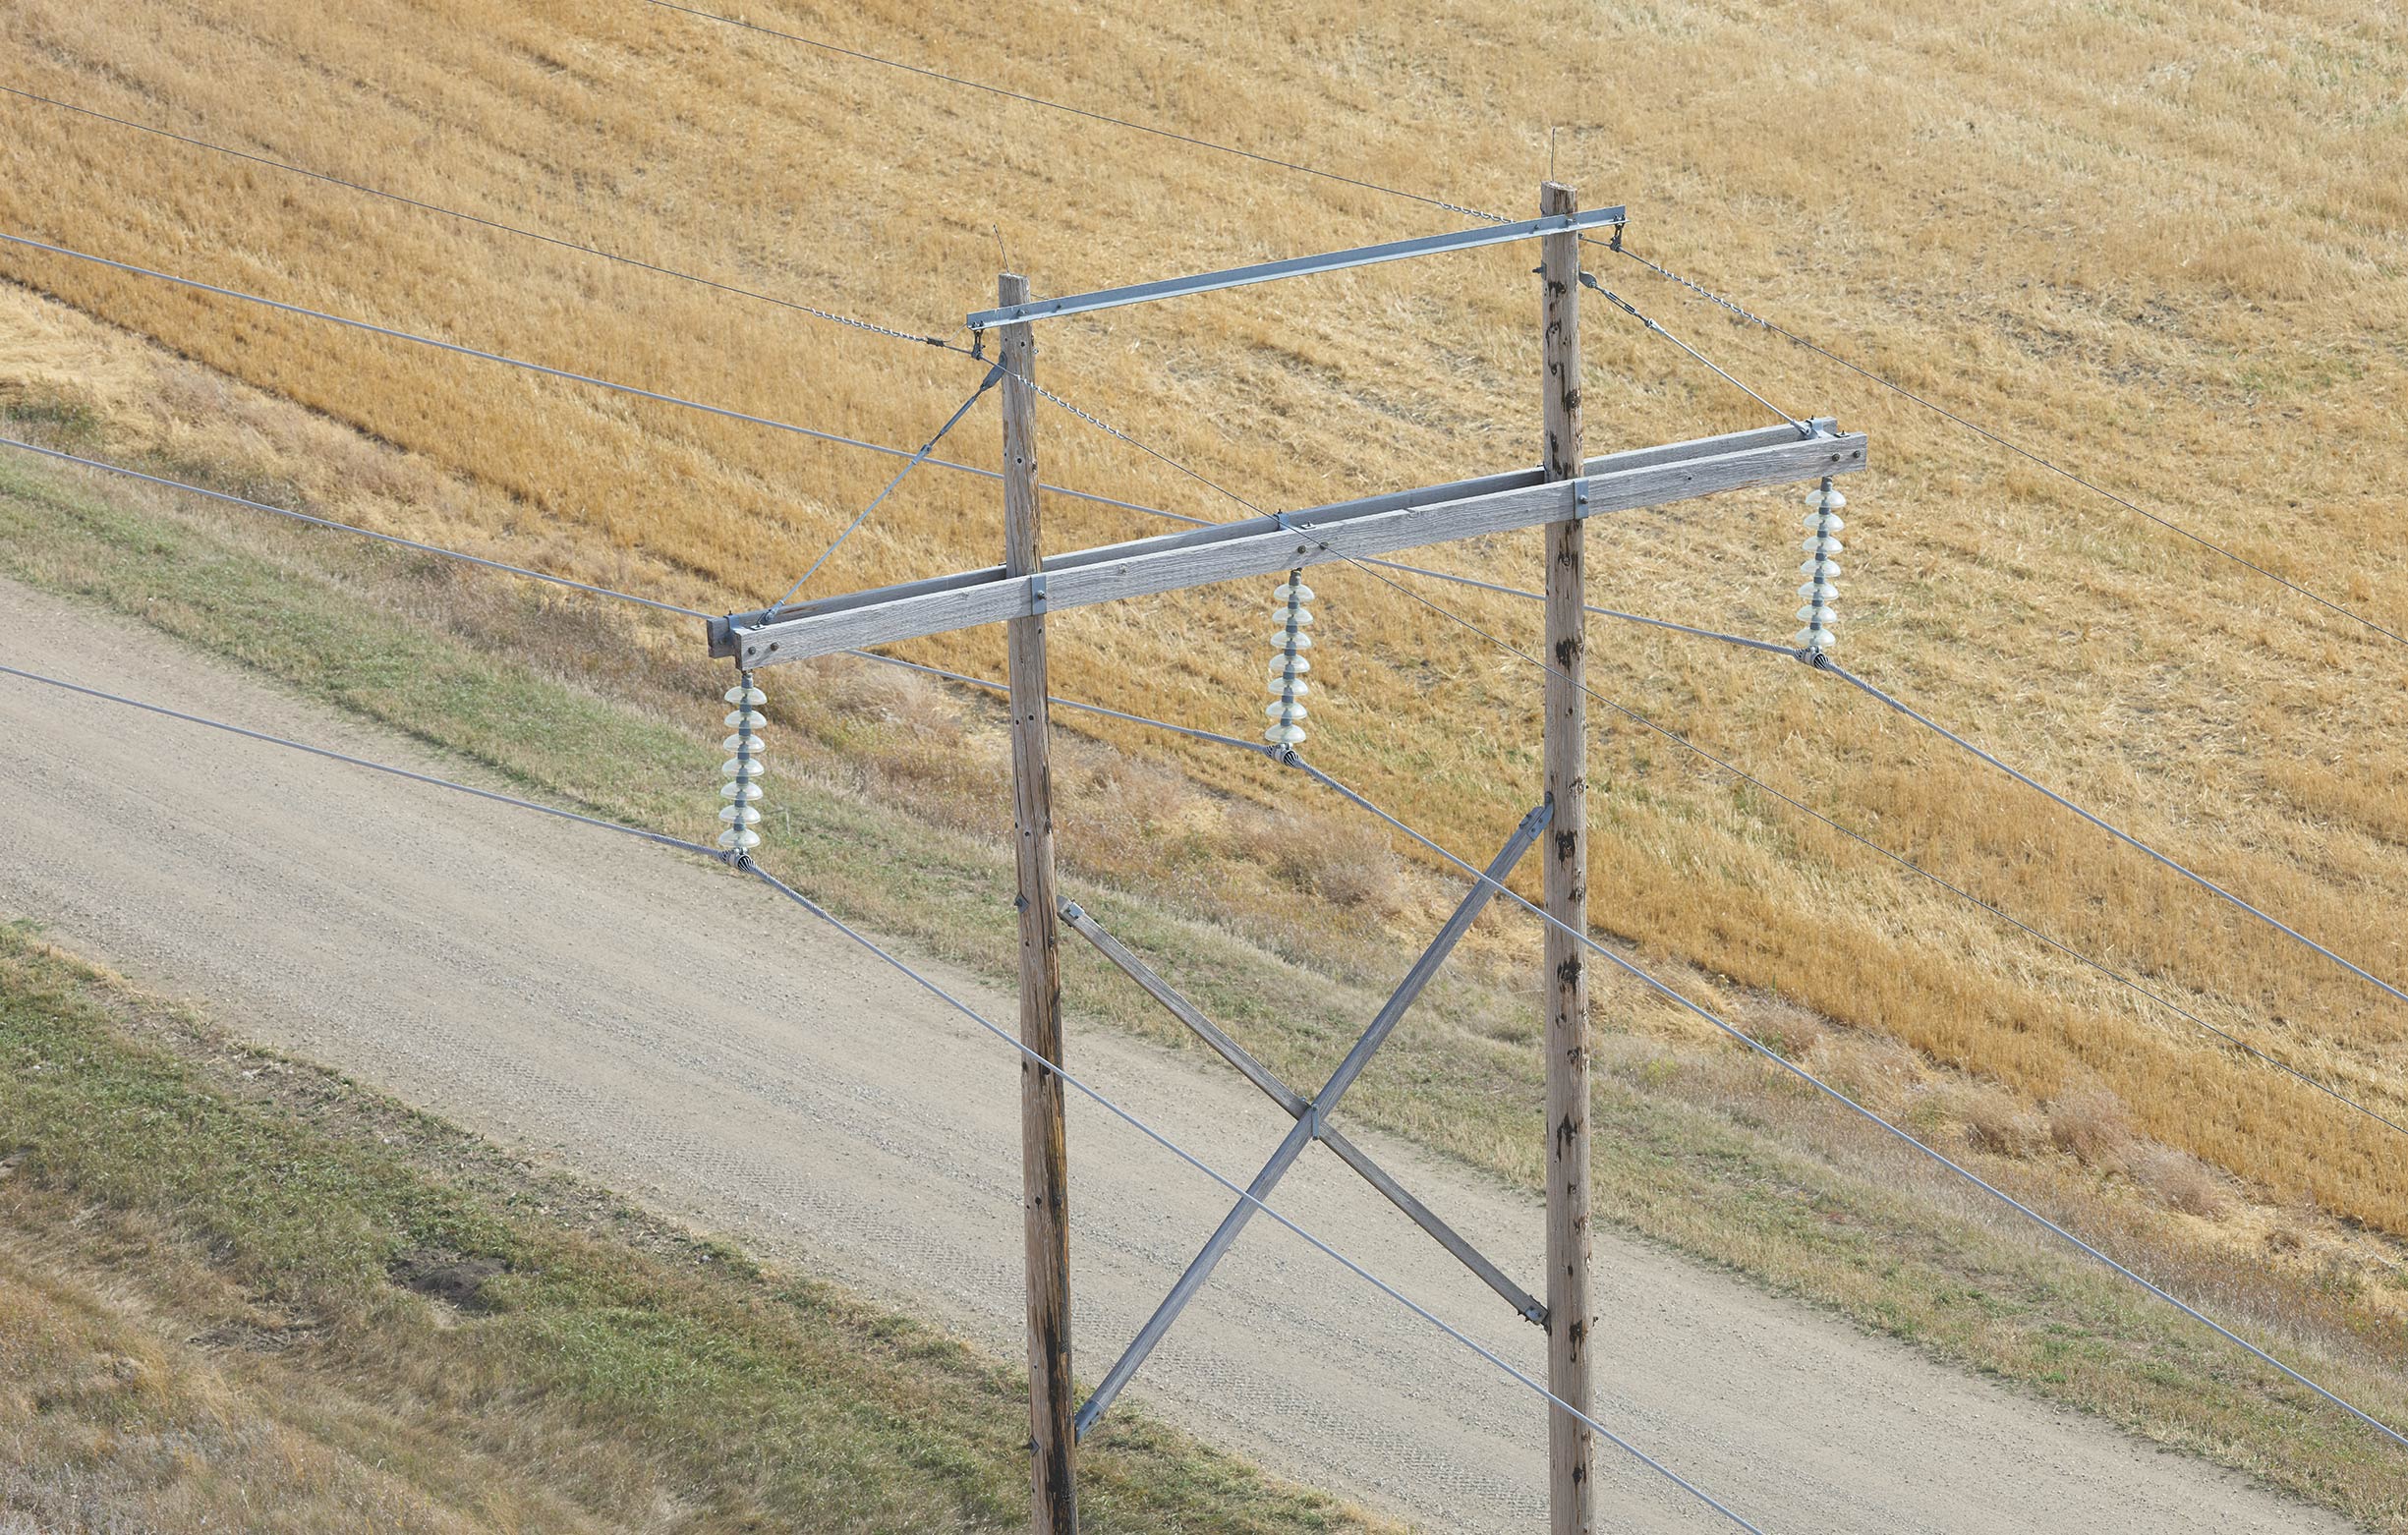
1044, 1152
1565, 982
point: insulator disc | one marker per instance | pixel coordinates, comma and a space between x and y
742, 837
1818, 615
741, 767
746, 791
744, 742
1823, 522
746, 719
1294, 617
1826, 500
1819, 544
1817, 638
1289, 665
1288, 593
753, 697
742, 814
1287, 687
1288, 712
1286, 736
1295, 640
1818, 591
1822, 569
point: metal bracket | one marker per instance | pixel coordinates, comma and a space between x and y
1036, 596
1579, 499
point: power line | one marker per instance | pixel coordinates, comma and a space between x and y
1838, 1096
542, 369
1602, 612
1823, 663
429, 779
1743, 776
1259, 748
745, 862
365, 533
1077, 111
493, 224
1650, 325
2003, 441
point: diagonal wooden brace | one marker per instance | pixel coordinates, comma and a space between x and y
1254, 1071
1311, 1118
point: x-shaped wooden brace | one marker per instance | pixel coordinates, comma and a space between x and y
1311, 1116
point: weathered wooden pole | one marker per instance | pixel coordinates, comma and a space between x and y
1565, 983
1044, 1152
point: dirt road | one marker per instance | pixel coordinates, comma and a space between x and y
674, 1030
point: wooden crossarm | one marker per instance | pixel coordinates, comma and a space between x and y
1264, 545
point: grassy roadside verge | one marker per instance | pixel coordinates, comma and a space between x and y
240, 1291
1695, 1149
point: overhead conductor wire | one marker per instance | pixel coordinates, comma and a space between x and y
365, 533
1588, 280
1176, 1149
745, 862
1074, 111
543, 368
488, 223
1822, 662
664, 839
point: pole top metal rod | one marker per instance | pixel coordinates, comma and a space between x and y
1294, 266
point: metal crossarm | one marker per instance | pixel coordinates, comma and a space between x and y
1085, 925
1310, 1124
1267, 546
1294, 266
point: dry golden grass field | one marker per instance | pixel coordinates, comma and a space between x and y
2163, 242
